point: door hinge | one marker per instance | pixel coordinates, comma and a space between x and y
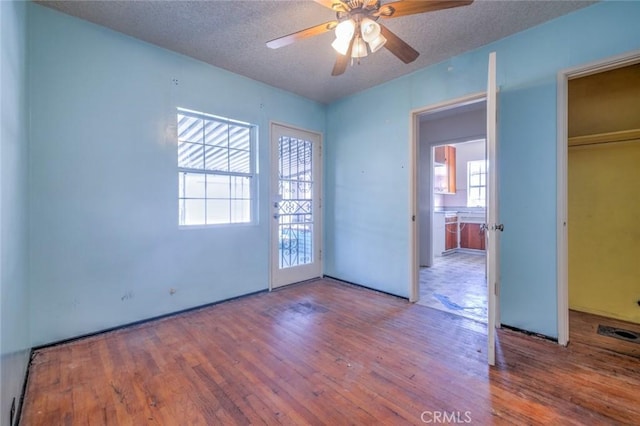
320, 255
413, 218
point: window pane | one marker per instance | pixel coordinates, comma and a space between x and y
190, 155
181, 212
218, 187
216, 159
193, 212
218, 211
296, 245
194, 184
216, 133
215, 169
477, 181
189, 129
239, 161
239, 137
240, 211
240, 187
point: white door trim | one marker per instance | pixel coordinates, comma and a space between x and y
562, 166
492, 215
414, 151
318, 230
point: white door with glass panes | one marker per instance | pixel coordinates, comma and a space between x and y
295, 207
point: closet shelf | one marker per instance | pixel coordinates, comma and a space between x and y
623, 135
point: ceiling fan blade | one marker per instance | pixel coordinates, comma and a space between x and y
335, 5
398, 47
411, 7
300, 35
343, 60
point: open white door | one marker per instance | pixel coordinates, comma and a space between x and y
493, 226
295, 205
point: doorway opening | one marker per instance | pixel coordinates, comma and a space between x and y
597, 170
452, 209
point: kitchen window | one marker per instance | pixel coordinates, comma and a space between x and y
476, 183
216, 170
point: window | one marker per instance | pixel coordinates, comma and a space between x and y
215, 170
476, 183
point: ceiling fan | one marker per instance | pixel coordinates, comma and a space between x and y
358, 32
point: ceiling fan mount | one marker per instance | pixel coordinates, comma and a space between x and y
357, 9
358, 32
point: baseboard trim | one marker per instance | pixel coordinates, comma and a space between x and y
364, 286
16, 420
530, 333
143, 321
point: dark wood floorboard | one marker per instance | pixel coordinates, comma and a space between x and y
325, 352
584, 329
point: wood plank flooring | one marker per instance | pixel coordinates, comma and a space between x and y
325, 352
584, 328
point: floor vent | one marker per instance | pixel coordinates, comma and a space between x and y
619, 333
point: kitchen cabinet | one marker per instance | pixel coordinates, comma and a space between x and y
472, 236
444, 169
451, 233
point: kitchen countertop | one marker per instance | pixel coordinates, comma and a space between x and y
465, 215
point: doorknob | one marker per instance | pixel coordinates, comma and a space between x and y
498, 227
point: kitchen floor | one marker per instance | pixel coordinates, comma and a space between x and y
456, 283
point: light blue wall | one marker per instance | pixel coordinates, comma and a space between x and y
14, 293
105, 245
367, 179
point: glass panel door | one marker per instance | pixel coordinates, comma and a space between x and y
295, 204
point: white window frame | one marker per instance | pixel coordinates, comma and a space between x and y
473, 201
251, 175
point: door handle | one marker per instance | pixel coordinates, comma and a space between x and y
498, 228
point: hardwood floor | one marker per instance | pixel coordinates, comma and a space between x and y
325, 353
584, 329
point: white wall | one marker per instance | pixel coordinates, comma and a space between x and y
455, 128
14, 292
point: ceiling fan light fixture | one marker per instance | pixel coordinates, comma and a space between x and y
345, 30
377, 43
370, 30
359, 49
341, 45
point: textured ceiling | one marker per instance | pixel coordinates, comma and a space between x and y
232, 35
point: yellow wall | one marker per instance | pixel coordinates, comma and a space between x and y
604, 229
605, 102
